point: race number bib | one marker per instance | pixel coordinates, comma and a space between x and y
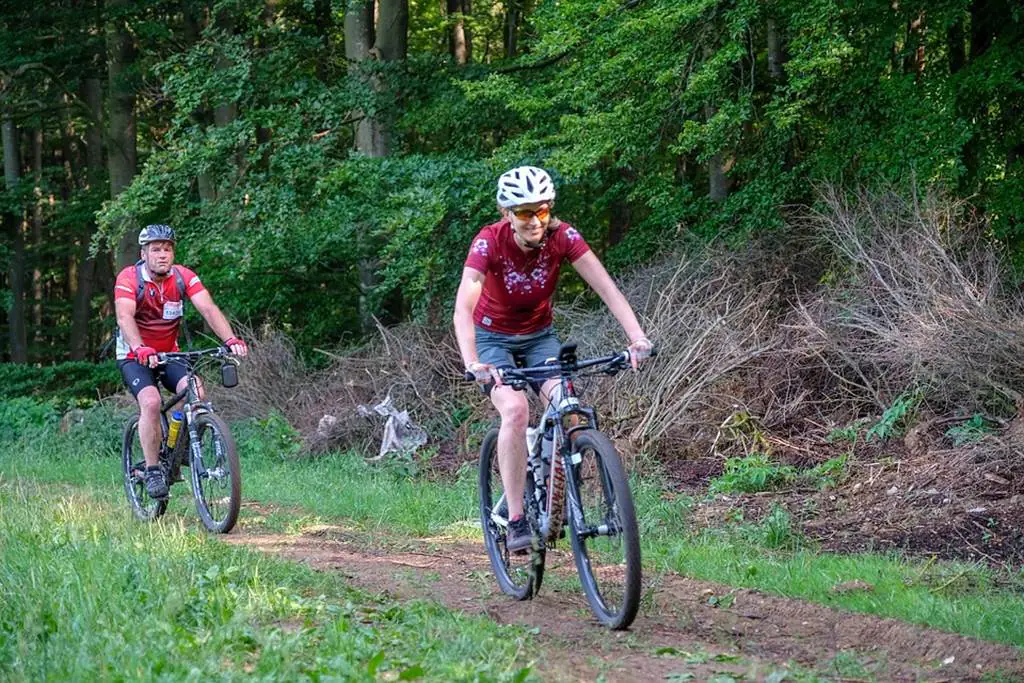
173, 310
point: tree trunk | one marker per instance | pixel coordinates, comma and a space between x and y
324, 22
775, 56
621, 211
359, 38
513, 17
956, 47
459, 40
121, 136
17, 333
195, 17
981, 27
81, 309
391, 45
913, 51
718, 188
36, 249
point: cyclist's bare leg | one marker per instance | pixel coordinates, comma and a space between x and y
182, 383
545, 391
149, 424
514, 409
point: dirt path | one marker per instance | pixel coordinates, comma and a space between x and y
677, 635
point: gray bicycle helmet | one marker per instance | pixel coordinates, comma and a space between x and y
156, 233
525, 185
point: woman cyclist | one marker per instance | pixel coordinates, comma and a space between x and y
503, 309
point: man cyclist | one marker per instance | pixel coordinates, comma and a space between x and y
148, 323
503, 309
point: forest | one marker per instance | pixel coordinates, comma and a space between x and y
326, 163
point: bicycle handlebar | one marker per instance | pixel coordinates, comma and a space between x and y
193, 356
554, 367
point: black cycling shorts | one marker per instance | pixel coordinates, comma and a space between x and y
137, 377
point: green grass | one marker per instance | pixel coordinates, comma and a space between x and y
87, 594
967, 599
970, 599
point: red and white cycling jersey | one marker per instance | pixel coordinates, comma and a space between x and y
519, 286
158, 314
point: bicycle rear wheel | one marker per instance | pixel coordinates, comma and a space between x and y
603, 530
216, 474
134, 466
519, 576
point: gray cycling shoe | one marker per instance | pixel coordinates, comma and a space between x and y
156, 485
520, 537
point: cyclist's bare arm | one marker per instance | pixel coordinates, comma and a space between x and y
203, 302
465, 303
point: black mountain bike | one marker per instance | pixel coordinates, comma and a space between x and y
578, 483
204, 445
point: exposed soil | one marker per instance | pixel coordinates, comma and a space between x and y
678, 634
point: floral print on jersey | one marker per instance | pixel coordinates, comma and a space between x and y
481, 247
517, 282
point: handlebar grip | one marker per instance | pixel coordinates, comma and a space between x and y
654, 351
468, 376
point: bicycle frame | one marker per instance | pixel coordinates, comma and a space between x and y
193, 405
565, 416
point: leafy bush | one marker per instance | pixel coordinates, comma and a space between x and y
75, 383
751, 474
974, 429
896, 417
20, 415
777, 529
271, 437
828, 473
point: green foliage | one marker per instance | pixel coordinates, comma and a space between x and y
22, 415
752, 473
272, 438
777, 529
158, 601
974, 429
70, 383
829, 473
628, 104
848, 434
896, 417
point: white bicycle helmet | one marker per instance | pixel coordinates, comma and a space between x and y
525, 185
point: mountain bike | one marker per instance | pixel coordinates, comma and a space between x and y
575, 480
204, 445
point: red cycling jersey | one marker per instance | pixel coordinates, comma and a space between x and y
518, 285
158, 314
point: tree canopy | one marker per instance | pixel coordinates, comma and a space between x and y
324, 171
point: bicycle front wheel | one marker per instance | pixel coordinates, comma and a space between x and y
216, 474
518, 575
134, 465
603, 530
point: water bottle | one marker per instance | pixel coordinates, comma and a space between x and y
173, 428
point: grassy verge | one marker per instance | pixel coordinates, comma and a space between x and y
967, 599
87, 594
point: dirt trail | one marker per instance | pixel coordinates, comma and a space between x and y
677, 635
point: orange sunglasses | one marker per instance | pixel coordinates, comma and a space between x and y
526, 214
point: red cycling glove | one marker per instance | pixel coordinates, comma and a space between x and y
235, 341
143, 354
